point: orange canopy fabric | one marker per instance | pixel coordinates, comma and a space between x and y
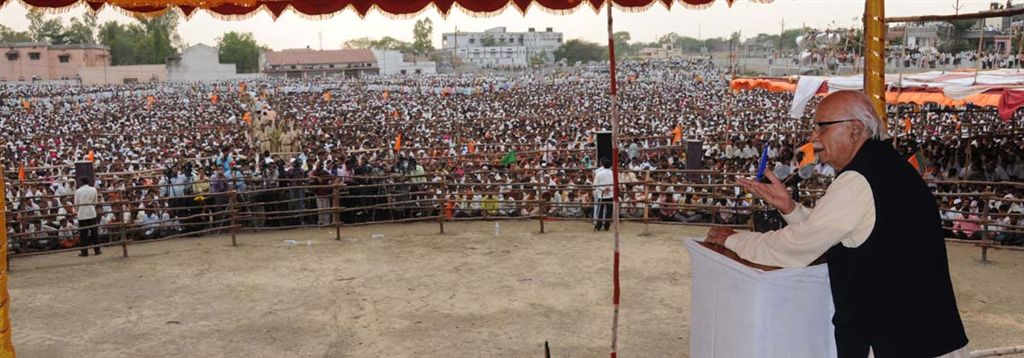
891, 97
245, 8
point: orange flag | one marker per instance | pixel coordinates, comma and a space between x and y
213, 98
398, 142
327, 96
149, 102
472, 146
914, 163
906, 125
808, 150
91, 157
21, 174
677, 134
26, 104
247, 117
385, 94
241, 87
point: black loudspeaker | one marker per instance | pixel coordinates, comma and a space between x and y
604, 146
84, 170
694, 155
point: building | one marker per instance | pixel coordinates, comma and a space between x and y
925, 36
40, 61
393, 62
497, 47
200, 63
122, 74
302, 63
666, 51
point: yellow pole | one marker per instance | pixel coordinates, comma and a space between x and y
6, 345
874, 56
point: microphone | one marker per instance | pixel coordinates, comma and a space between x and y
782, 171
805, 172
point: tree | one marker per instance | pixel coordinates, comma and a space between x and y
956, 41
789, 37
421, 34
42, 30
82, 31
384, 43
539, 59
240, 49
622, 46
9, 35
148, 41
488, 41
576, 51
359, 43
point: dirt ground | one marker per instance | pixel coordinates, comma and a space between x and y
412, 293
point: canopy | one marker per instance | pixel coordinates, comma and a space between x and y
984, 88
243, 8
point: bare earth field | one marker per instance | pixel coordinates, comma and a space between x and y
414, 293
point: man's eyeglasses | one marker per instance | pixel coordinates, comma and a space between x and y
820, 125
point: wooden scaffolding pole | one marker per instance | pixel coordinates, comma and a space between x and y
6, 345
874, 56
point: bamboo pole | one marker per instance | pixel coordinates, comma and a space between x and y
6, 344
336, 210
232, 210
612, 96
874, 57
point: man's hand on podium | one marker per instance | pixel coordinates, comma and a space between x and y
718, 234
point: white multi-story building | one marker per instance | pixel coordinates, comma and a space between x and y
497, 47
393, 62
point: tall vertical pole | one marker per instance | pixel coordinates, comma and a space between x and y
612, 96
6, 345
874, 56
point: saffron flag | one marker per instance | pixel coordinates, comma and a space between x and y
327, 96
247, 117
808, 150
917, 161
213, 98
906, 125
26, 104
677, 134
149, 102
472, 146
21, 174
91, 157
385, 94
398, 142
241, 87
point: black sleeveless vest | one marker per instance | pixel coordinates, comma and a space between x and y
893, 291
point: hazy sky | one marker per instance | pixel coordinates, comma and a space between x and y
292, 31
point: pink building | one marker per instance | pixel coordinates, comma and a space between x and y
25, 61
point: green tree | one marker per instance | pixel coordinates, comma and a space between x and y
576, 51
43, 30
789, 38
8, 34
539, 59
384, 43
240, 49
622, 45
82, 31
148, 41
422, 34
488, 41
359, 43
956, 33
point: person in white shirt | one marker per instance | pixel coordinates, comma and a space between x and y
889, 272
85, 200
603, 191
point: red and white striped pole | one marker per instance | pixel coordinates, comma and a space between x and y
612, 96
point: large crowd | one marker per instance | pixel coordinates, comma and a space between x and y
175, 159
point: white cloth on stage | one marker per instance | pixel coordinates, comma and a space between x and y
805, 89
739, 311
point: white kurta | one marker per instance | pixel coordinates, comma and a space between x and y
846, 214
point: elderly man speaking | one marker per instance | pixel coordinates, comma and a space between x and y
880, 230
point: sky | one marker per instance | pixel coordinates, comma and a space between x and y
294, 31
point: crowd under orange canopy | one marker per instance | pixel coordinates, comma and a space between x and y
241, 8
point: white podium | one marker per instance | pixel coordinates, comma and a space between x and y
740, 311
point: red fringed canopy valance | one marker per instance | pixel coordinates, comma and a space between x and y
242, 8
